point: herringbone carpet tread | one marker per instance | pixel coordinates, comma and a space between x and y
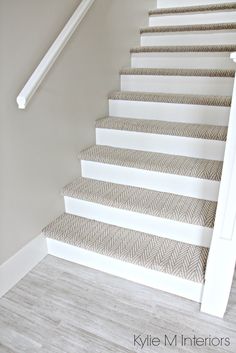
199, 8
184, 49
223, 101
152, 252
186, 28
159, 204
209, 132
178, 72
153, 161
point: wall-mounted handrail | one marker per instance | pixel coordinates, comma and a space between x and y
48, 60
222, 255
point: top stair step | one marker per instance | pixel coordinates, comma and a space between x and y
193, 9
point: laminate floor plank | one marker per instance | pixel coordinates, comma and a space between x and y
61, 307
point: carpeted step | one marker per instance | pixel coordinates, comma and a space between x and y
190, 9
208, 132
185, 49
178, 72
223, 101
152, 161
190, 28
152, 252
148, 202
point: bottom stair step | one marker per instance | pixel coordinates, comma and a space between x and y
158, 255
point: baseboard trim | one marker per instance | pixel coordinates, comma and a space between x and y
158, 280
14, 269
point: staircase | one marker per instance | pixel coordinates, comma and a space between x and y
145, 206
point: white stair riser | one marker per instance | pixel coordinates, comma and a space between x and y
176, 184
189, 38
187, 113
192, 19
178, 84
183, 3
187, 60
158, 280
188, 233
177, 145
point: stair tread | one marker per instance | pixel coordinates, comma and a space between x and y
198, 8
149, 202
201, 131
153, 161
197, 27
176, 98
178, 72
184, 48
152, 252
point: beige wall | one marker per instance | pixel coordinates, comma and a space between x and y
39, 146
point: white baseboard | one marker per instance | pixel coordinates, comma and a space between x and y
14, 269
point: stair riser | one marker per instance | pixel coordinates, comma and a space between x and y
185, 3
184, 232
188, 38
187, 60
175, 285
192, 19
179, 84
177, 145
186, 113
176, 184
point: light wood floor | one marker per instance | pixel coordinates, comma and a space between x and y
60, 307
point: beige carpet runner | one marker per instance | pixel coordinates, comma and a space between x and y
222, 101
178, 72
190, 28
152, 252
157, 162
154, 203
201, 131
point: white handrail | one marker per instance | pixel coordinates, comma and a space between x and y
48, 60
222, 255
